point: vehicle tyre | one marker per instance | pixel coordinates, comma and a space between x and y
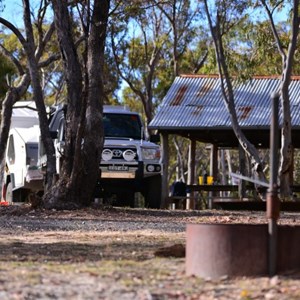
126, 198
21, 195
152, 192
9, 193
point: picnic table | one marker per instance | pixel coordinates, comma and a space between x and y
202, 194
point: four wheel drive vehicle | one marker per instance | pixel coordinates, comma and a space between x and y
129, 162
21, 173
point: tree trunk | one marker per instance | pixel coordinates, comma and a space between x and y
286, 163
93, 142
286, 157
84, 132
63, 194
180, 164
286, 145
12, 96
38, 96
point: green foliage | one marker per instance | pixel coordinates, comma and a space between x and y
132, 101
164, 81
260, 52
12, 44
111, 79
7, 70
50, 75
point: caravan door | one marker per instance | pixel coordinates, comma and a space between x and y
16, 158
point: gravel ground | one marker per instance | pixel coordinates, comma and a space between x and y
110, 253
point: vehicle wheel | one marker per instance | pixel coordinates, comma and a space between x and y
126, 198
21, 195
152, 192
9, 193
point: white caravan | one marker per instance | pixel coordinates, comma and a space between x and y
21, 174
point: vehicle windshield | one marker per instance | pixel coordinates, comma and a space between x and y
122, 126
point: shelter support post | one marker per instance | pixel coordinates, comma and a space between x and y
165, 161
213, 170
190, 202
242, 164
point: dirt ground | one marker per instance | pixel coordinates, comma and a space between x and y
110, 253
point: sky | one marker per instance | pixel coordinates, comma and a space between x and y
13, 12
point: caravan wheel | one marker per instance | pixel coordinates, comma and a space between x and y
9, 193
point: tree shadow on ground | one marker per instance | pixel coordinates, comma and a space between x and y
76, 252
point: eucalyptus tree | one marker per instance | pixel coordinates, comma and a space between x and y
221, 19
28, 73
32, 53
260, 50
188, 50
181, 16
137, 40
287, 55
83, 71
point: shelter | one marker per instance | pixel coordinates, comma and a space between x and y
194, 108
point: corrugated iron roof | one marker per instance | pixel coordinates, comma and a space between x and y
195, 102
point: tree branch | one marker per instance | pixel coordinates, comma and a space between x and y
16, 31
10, 56
45, 40
274, 30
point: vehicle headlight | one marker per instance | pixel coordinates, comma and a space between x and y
107, 154
129, 155
151, 153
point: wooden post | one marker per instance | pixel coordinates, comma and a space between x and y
165, 161
190, 203
273, 204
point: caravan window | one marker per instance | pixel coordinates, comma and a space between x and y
11, 150
31, 154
